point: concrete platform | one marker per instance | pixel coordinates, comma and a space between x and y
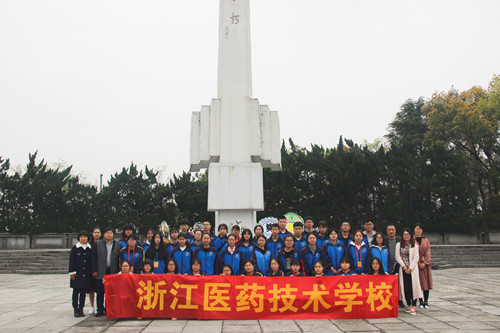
464, 299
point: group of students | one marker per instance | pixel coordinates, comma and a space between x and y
305, 252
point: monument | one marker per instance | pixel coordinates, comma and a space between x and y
235, 137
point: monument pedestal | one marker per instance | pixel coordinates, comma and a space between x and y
235, 192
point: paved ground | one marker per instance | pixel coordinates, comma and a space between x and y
462, 300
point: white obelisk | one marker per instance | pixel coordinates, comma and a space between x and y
235, 137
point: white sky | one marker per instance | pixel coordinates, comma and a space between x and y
99, 84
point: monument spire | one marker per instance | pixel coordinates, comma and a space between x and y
235, 137
235, 68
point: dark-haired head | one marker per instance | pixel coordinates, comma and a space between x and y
83, 233
170, 261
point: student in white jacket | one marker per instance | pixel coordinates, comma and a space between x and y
409, 284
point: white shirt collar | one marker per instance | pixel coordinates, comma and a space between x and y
84, 246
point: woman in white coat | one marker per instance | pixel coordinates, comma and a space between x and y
407, 257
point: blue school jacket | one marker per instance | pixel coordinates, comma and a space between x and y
282, 259
134, 258
161, 262
219, 242
274, 246
384, 256
300, 244
170, 248
321, 240
341, 239
235, 260
208, 259
283, 234
364, 255
261, 259
332, 254
246, 251
183, 258
308, 260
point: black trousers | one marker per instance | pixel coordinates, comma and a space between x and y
408, 290
99, 288
79, 298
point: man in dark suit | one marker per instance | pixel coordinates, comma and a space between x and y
105, 261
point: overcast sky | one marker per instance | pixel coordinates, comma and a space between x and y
101, 84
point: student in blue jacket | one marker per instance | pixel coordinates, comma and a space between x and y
333, 252
261, 256
196, 241
287, 254
157, 253
310, 255
245, 245
149, 240
275, 242
133, 253
359, 253
207, 255
257, 231
231, 255
380, 250
322, 235
299, 242
183, 254
220, 240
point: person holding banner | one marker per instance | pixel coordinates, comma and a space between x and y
376, 267
207, 255
157, 253
196, 267
319, 269
183, 254
359, 253
295, 268
407, 257
249, 269
261, 256
227, 270
345, 267
310, 255
231, 255
274, 268
172, 267
333, 252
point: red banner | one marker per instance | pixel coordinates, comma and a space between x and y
249, 297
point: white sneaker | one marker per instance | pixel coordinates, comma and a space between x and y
426, 306
407, 309
91, 311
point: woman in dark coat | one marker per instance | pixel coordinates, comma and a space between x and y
80, 271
